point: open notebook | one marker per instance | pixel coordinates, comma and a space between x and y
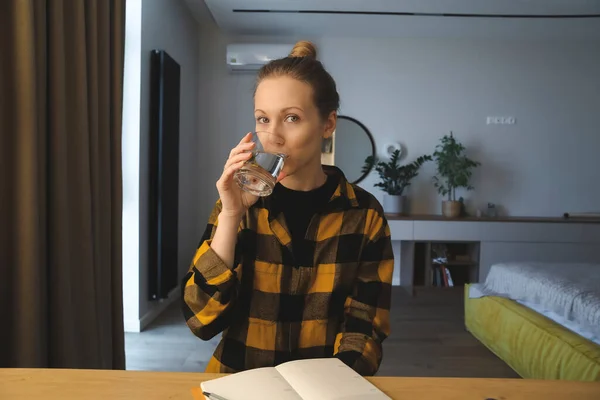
314, 379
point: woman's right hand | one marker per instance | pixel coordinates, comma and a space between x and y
235, 202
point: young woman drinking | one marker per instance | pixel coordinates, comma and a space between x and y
306, 271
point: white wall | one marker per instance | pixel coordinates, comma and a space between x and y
416, 90
131, 164
166, 25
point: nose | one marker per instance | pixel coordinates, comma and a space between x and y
273, 142
276, 139
270, 138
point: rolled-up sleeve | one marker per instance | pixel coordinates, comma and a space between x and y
209, 288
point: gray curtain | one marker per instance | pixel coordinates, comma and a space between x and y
61, 71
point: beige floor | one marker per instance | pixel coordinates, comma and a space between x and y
428, 339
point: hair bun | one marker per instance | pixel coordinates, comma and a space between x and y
304, 49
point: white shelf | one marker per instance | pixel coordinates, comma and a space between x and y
500, 241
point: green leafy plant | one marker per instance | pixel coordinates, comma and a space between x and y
454, 169
395, 178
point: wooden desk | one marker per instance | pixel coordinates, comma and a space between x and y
17, 384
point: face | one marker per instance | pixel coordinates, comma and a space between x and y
285, 106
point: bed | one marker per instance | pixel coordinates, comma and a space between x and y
542, 319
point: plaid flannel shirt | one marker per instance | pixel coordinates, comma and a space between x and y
271, 310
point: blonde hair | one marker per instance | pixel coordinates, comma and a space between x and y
304, 49
302, 64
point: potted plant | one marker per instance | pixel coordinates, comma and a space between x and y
454, 170
395, 178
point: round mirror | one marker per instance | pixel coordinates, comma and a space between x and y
350, 145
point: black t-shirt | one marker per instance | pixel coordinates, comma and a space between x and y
298, 209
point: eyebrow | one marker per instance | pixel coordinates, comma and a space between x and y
291, 108
283, 110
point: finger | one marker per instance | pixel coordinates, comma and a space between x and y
237, 158
241, 158
246, 138
240, 148
228, 173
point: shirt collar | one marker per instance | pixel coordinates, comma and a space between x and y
343, 197
344, 193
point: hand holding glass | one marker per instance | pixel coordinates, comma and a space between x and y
259, 174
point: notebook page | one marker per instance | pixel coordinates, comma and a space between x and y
255, 384
328, 379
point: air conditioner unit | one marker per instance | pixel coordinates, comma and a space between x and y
250, 57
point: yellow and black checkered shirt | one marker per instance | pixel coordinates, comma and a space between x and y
272, 310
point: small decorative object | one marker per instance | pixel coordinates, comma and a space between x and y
395, 179
439, 253
390, 148
491, 210
454, 170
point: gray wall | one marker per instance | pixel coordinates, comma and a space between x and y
225, 113
416, 90
166, 25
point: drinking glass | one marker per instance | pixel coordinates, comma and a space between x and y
259, 174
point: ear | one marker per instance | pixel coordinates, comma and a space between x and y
330, 125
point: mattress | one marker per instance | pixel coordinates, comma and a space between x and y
533, 345
570, 292
570, 325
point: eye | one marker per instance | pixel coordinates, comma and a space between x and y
292, 118
262, 120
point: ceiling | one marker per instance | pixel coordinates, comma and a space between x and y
395, 18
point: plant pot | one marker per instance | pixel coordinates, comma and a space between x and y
451, 209
394, 204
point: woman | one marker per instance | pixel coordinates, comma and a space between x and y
305, 272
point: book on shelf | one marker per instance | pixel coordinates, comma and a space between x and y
449, 281
444, 272
441, 276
